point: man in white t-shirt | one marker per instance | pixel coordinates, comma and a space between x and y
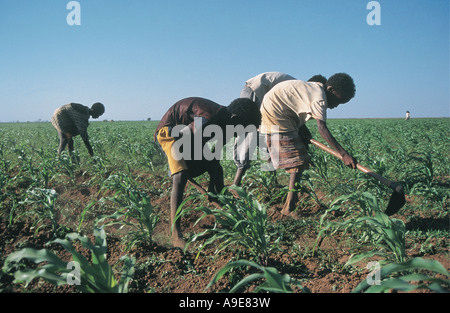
255, 88
285, 110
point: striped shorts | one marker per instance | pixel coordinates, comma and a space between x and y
287, 151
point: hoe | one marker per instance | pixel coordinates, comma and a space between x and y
204, 192
397, 200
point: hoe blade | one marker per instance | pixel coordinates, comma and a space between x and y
396, 202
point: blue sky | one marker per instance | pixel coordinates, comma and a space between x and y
138, 57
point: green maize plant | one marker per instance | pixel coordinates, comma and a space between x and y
4, 162
374, 228
83, 214
408, 276
42, 208
354, 204
242, 222
422, 175
262, 183
306, 186
135, 209
386, 234
12, 212
26, 166
152, 156
397, 156
3, 182
45, 174
46, 166
96, 276
272, 280
100, 168
320, 166
366, 183
68, 164
99, 147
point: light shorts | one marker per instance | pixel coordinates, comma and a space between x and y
288, 152
166, 142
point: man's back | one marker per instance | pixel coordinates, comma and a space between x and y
184, 111
72, 118
290, 104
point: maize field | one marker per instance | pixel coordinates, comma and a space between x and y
72, 224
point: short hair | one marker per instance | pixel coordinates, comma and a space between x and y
318, 79
343, 84
98, 108
246, 110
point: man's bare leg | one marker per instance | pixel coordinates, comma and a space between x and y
238, 177
62, 142
179, 182
292, 196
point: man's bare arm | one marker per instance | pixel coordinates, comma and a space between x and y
85, 137
349, 160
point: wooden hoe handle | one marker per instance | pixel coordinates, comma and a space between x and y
393, 185
204, 192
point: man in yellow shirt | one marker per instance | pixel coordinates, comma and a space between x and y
285, 110
192, 116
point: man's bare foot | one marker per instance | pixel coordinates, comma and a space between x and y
290, 211
235, 193
288, 208
294, 215
178, 243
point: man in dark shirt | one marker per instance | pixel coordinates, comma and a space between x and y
191, 116
72, 120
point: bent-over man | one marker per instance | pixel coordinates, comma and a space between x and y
72, 120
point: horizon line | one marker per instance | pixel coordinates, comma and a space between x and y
145, 120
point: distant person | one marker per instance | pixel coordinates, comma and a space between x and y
72, 120
285, 110
255, 88
408, 115
192, 115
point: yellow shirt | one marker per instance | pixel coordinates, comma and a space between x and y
290, 104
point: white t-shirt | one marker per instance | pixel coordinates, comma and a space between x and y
288, 105
262, 83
